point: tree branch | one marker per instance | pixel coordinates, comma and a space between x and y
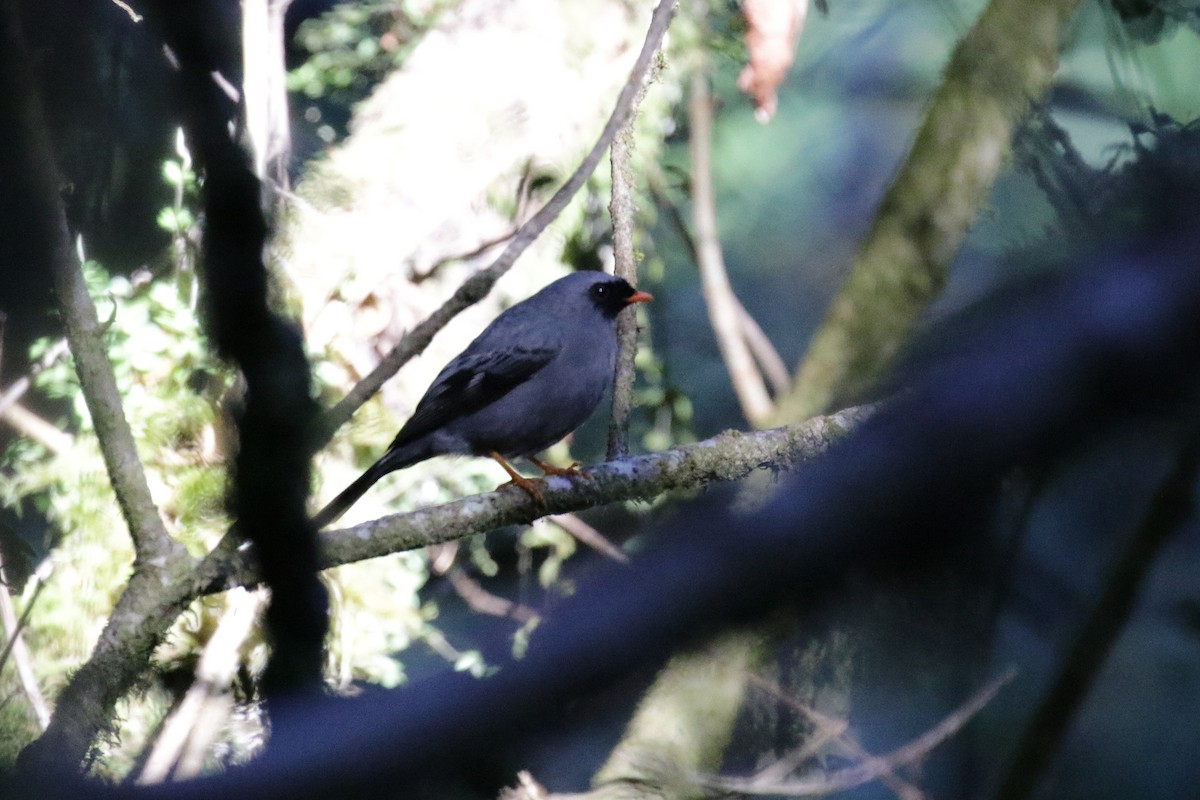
271, 468
620, 208
589, 536
872, 768
84, 333
723, 307
906, 486
1007, 59
765, 354
827, 730
85, 705
19, 650
1172, 508
478, 285
622, 211
768, 358
29, 424
727, 457
215, 671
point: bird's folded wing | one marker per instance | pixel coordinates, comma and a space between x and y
470, 383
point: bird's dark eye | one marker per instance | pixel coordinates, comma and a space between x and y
599, 290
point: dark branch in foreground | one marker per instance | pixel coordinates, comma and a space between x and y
271, 477
1174, 506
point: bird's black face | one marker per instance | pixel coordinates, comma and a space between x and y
610, 296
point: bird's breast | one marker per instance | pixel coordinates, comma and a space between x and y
551, 404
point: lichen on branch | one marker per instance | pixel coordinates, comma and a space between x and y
1006, 60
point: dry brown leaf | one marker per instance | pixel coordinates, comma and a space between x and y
773, 28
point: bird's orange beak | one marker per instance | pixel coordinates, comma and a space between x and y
639, 297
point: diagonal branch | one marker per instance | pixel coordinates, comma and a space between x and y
765, 355
1006, 60
141, 615
589, 536
219, 662
724, 309
827, 729
1173, 508
873, 768
478, 285
16, 647
84, 332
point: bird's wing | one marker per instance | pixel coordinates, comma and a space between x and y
470, 382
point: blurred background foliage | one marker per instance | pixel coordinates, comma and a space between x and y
794, 198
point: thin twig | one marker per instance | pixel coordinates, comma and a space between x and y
214, 673
524, 191
481, 248
471, 591
828, 728
872, 768
23, 384
593, 538
478, 285
1041, 741
481, 600
29, 424
19, 650
128, 9
779, 769
718, 293
622, 211
769, 361
764, 352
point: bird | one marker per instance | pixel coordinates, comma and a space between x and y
534, 375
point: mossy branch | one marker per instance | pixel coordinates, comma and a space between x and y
85, 335
123, 649
622, 210
729, 456
1005, 61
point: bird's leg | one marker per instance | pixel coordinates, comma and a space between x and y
563, 472
528, 485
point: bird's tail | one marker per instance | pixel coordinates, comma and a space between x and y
391, 461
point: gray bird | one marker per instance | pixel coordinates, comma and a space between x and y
533, 376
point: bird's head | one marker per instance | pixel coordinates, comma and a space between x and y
609, 293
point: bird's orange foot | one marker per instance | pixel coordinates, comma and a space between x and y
561, 472
531, 486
